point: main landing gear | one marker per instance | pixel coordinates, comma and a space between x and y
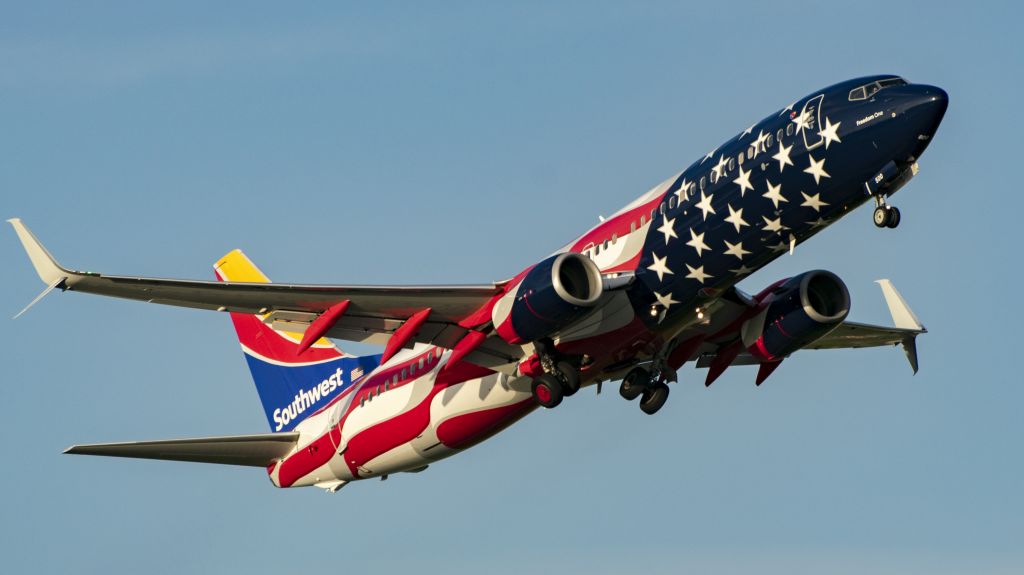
561, 380
653, 392
885, 216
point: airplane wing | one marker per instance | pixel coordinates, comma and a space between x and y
849, 334
249, 450
373, 313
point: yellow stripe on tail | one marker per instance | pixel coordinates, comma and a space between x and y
235, 266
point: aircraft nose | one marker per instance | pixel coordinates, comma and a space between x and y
923, 107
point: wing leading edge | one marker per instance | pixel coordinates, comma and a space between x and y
373, 314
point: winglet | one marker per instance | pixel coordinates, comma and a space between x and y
46, 266
902, 316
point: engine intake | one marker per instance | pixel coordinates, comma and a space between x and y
553, 294
797, 312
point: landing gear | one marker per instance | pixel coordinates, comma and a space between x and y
634, 384
547, 390
560, 379
885, 216
639, 383
654, 398
569, 376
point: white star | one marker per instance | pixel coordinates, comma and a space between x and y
802, 121
659, 266
780, 247
773, 225
742, 270
684, 190
705, 204
697, 242
759, 143
736, 218
719, 170
818, 223
697, 273
830, 133
747, 131
782, 156
743, 181
816, 169
709, 155
813, 201
666, 301
774, 194
735, 249
667, 228
788, 108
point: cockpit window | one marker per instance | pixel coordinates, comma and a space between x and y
866, 91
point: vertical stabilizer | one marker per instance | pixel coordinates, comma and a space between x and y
292, 384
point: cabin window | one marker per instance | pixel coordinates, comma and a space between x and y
604, 246
713, 178
362, 401
768, 143
672, 203
643, 220
778, 135
597, 249
654, 211
421, 363
632, 227
378, 389
405, 374
740, 158
615, 238
702, 183
789, 129
732, 164
661, 208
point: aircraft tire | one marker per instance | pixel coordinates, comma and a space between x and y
881, 216
894, 217
654, 398
570, 377
634, 384
547, 390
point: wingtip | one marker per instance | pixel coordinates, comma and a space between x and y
45, 264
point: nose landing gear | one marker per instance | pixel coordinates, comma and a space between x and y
885, 216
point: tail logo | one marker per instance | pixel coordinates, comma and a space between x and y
305, 399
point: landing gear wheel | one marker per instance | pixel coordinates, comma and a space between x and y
654, 398
881, 216
635, 382
547, 390
894, 217
569, 376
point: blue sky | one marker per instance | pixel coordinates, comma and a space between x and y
460, 143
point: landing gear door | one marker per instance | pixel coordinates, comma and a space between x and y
811, 120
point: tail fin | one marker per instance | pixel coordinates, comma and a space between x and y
292, 385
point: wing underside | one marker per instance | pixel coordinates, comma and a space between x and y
248, 450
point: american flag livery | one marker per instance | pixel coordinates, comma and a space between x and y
645, 291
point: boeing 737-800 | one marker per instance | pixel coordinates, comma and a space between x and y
632, 299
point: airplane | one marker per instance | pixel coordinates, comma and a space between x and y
636, 297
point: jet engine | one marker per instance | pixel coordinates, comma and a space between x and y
795, 313
553, 294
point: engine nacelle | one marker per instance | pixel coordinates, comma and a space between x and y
552, 295
797, 312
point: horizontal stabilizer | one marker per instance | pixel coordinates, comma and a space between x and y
250, 450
